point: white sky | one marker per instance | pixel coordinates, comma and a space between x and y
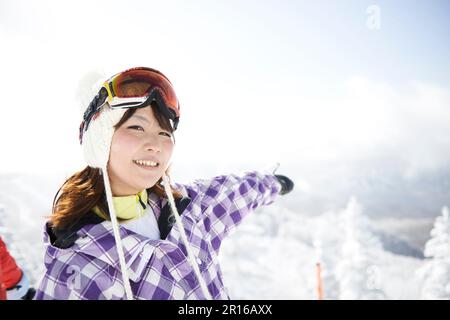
259, 82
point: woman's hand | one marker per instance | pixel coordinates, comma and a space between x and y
286, 184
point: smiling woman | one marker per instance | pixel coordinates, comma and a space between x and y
85, 189
119, 229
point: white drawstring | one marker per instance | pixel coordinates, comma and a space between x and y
112, 213
184, 238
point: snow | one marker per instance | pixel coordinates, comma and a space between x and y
272, 254
435, 274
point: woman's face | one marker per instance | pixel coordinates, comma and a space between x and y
138, 138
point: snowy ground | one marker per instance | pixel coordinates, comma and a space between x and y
272, 255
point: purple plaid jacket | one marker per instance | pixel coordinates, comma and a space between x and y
159, 269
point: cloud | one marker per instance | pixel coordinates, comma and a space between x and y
233, 109
374, 120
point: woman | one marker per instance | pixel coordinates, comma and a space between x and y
119, 229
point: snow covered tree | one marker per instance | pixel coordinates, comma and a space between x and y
435, 274
357, 271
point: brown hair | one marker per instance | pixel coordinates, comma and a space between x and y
85, 189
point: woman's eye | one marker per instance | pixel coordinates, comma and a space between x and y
167, 134
142, 129
136, 127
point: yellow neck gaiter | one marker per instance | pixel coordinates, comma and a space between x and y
127, 207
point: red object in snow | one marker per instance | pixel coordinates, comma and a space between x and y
10, 273
2, 287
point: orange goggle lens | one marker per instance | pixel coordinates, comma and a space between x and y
142, 83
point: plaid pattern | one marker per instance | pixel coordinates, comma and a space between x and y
159, 269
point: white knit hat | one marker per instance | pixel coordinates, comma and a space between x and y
96, 140
96, 143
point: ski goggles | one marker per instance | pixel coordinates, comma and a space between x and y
135, 88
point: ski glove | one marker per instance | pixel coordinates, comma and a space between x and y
286, 184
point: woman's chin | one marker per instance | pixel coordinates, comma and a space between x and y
147, 183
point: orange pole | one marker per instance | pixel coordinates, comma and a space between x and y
319, 282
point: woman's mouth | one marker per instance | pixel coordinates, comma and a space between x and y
147, 164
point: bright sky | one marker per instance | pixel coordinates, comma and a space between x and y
259, 81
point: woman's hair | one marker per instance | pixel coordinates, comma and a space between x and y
85, 189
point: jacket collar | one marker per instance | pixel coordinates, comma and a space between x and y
164, 222
66, 238
94, 237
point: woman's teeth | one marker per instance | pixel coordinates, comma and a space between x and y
146, 163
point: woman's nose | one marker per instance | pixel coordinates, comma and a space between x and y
153, 144
153, 147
